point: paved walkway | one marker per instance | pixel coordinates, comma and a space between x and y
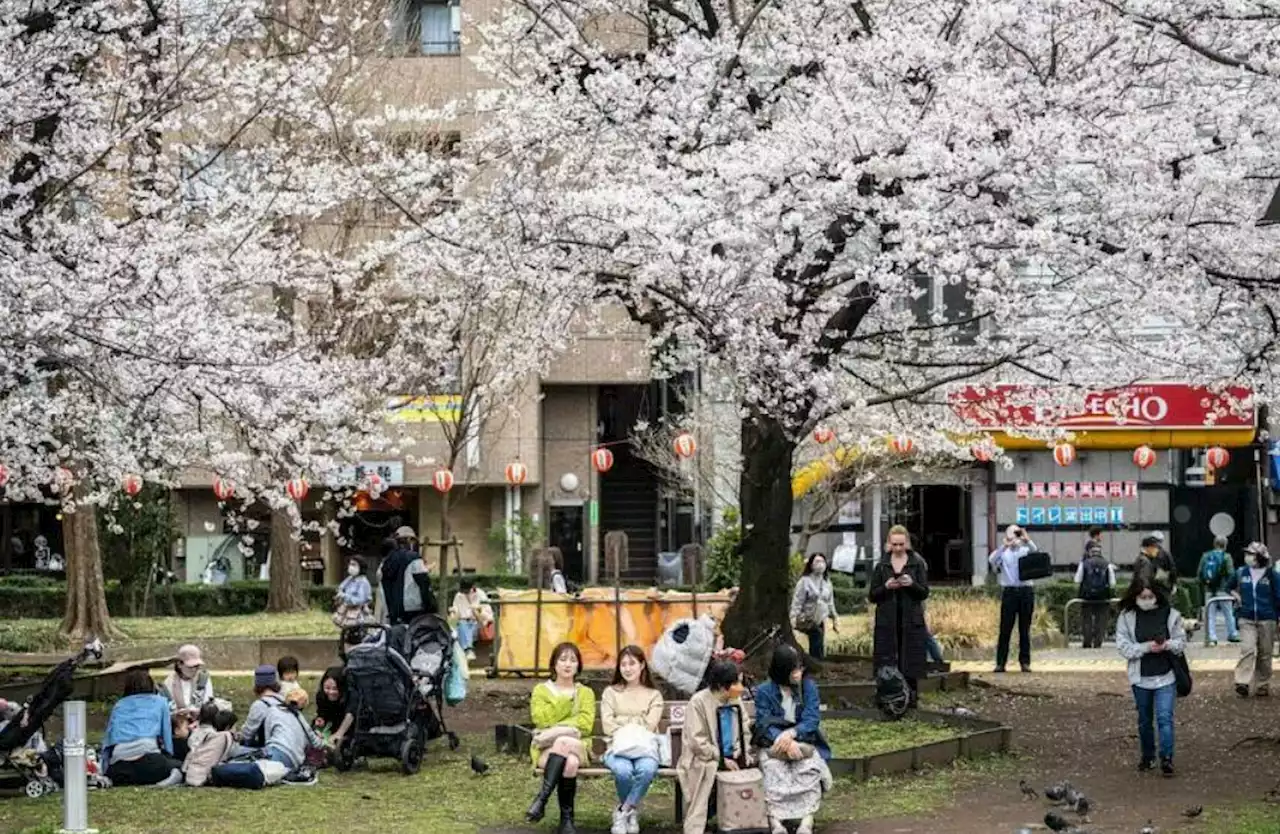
1220, 658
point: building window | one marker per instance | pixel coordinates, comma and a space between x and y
428, 27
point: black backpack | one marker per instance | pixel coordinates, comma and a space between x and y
1095, 585
1096, 582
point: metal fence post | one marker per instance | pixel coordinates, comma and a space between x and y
75, 809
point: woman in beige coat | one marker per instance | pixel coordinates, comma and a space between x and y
702, 744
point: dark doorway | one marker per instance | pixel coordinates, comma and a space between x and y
564, 530
937, 516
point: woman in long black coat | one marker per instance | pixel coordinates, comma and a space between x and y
899, 587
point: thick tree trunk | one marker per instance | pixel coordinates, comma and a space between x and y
764, 586
284, 592
86, 616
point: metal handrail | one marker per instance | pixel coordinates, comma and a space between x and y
1066, 610
1204, 612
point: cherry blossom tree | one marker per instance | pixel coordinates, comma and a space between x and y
848, 208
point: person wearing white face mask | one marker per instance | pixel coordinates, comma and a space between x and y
1148, 632
1256, 588
188, 686
352, 599
813, 603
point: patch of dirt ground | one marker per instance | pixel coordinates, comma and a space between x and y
1083, 728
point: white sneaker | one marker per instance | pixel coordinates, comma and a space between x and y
619, 822
806, 826
776, 826
471, 655
633, 821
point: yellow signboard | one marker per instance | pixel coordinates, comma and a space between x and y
593, 621
438, 408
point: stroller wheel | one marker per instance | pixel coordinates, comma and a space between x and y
35, 789
453, 741
411, 756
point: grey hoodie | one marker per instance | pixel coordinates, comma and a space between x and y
283, 728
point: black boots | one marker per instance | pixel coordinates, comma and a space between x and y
567, 792
550, 778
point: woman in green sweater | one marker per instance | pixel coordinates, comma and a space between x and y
563, 713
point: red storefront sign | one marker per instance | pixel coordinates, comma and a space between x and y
1155, 406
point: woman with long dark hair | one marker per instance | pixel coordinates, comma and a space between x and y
1148, 632
794, 752
813, 603
630, 712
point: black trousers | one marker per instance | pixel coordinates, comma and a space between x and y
1016, 604
1093, 623
148, 770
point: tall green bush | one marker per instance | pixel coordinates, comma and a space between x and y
724, 553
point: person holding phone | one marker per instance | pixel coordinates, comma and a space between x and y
1017, 597
1148, 631
899, 587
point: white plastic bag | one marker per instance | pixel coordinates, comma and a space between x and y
631, 741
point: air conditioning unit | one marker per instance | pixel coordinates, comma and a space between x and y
1194, 476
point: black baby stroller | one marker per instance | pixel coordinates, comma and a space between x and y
393, 679
23, 756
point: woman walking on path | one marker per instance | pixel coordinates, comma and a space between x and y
813, 603
1148, 631
1256, 587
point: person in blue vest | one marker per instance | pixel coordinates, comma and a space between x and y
1213, 574
1256, 587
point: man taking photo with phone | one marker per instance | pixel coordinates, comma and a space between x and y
1017, 597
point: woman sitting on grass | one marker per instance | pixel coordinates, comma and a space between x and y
794, 753
563, 713
138, 744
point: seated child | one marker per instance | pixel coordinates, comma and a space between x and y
210, 744
287, 669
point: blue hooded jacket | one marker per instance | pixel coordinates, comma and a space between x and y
808, 714
1257, 602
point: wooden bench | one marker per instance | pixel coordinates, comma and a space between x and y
673, 714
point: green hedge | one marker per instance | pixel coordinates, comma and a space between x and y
46, 599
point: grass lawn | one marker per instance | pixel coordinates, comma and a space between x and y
853, 738
42, 635
444, 798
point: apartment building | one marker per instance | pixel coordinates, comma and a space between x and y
591, 397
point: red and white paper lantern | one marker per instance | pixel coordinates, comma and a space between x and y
1217, 457
4, 475
297, 489
442, 480
902, 444
602, 460
63, 479
684, 445
1144, 457
223, 489
982, 453
131, 484
516, 473
374, 485
824, 434
1064, 454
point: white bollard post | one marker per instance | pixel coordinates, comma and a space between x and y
75, 808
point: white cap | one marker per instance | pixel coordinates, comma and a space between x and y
406, 533
1158, 536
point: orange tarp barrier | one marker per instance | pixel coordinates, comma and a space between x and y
591, 620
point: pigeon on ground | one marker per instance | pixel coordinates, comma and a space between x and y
963, 712
1082, 808
1149, 828
1056, 822
1072, 797
1028, 792
1192, 813
1058, 792
478, 766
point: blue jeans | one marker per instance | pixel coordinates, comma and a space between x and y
275, 754
932, 649
631, 777
467, 634
1228, 613
1157, 704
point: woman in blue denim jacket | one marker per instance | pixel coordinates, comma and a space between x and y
137, 747
793, 750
